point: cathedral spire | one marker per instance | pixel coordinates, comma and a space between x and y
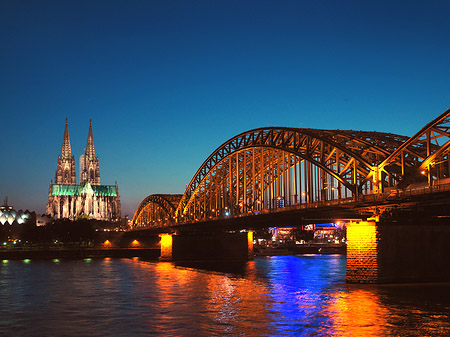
89, 167
65, 172
66, 151
90, 148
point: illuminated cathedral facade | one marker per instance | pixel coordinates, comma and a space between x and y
66, 199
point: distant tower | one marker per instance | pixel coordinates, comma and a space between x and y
65, 172
89, 166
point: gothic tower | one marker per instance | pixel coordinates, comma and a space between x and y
89, 166
65, 172
68, 200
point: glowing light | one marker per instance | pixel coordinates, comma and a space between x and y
26, 261
98, 190
359, 313
362, 246
88, 259
5, 261
250, 244
135, 243
166, 246
56, 260
227, 213
107, 244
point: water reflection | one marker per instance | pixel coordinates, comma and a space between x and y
358, 312
271, 296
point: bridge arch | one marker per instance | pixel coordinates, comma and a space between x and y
425, 154
156, 210
256, 162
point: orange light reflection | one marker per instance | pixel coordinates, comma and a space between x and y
358, 312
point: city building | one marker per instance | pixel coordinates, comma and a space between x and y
12, 221
66, 199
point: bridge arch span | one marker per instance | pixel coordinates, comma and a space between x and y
156, 210
270, 163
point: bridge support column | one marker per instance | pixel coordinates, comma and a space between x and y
362, 252
406, 249
166, 247
250, 250
212, 246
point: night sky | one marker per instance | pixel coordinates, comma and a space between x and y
167, 82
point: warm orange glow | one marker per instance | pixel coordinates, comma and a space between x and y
135, 243
107, 244
224, 299
359, 313
362, 252
166, 246
250, 245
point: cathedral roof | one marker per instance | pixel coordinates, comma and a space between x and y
98, 190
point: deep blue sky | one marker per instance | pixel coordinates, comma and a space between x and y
166, 82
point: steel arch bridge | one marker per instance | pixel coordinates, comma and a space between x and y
156, 210
274, 167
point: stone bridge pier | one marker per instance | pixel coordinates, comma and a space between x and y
399, 249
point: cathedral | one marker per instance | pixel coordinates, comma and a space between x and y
66, 199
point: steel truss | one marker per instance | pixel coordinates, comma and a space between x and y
268, 168
426, 153
275, 167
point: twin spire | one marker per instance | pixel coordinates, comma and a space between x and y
89, 166
66, 151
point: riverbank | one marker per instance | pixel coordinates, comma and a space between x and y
76, 253
313, 248
152, 253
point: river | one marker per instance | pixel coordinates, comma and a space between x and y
303, 295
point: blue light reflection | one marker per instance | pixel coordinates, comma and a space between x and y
301, 289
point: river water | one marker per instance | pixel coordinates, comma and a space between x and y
270, 296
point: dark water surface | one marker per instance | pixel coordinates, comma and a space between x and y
272, 296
